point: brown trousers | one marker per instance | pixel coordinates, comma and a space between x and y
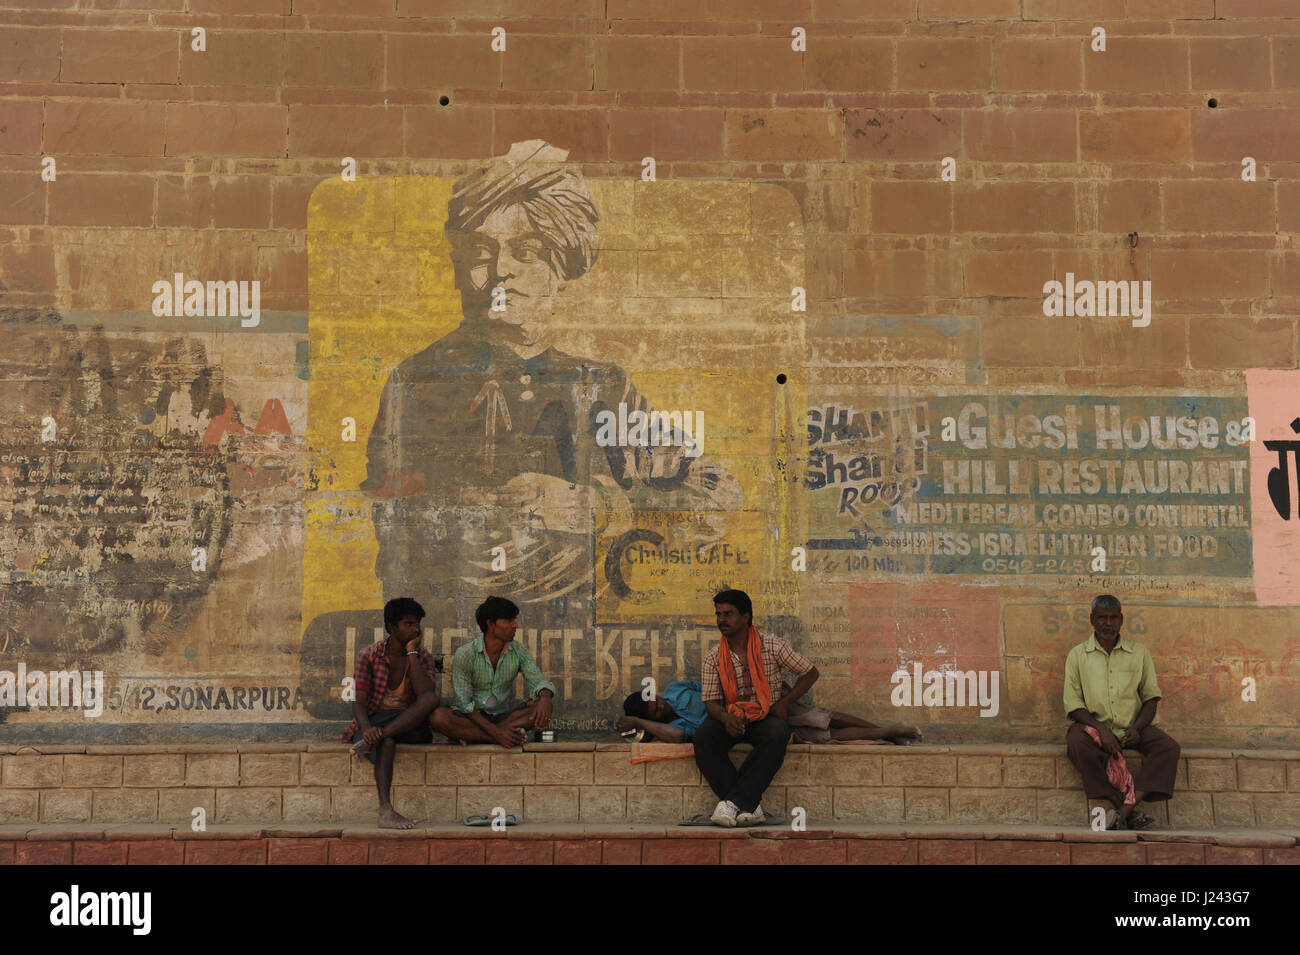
1159, 764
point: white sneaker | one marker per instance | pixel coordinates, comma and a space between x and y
755, 818
725, 814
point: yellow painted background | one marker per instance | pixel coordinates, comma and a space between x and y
690, 294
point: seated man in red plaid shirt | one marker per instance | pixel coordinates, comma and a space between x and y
396, 691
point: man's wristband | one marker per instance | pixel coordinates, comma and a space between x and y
412, 653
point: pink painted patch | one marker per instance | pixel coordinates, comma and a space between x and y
1274, 403
225, 423
272, 420
942, 626
400, 484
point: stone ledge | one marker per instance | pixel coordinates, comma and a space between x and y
139, 830
841, 749
185, 834
536, 832
73, 833
303, 831
1263, 753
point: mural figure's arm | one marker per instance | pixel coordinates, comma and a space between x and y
380, 455
669, 469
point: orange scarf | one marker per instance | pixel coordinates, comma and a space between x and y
749, 710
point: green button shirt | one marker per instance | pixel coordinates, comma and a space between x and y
1111, 686
480, 686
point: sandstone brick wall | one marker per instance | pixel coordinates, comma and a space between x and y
1073, 147
261, 784
225, 164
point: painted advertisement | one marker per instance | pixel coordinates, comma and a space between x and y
506, 398
1131, 488
591, 396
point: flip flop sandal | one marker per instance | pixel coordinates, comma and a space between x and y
482, 821
1139, 820
1114, 821
699, 819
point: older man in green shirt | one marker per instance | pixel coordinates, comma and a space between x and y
483, 673
1111, 689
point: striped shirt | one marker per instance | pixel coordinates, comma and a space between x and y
776, 654
480, 686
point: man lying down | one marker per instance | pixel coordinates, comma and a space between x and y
674, 716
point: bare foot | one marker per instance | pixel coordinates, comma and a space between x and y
902, 734
390, 818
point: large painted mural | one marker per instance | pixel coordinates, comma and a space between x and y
517, 440
607, 399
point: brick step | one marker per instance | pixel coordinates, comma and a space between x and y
319, 783
641, 844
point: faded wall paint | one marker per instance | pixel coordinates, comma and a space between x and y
1275, 493
476, 471
983, 485
175, 435
155, 532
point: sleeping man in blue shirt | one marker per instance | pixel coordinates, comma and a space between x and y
672, 717
675, 716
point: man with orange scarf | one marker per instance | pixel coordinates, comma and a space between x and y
739, 687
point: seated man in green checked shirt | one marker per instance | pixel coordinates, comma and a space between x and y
1111, 695
483, 675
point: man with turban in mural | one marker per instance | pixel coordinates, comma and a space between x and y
484, 463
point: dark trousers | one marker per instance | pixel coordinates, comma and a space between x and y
1159, 763
744, 786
